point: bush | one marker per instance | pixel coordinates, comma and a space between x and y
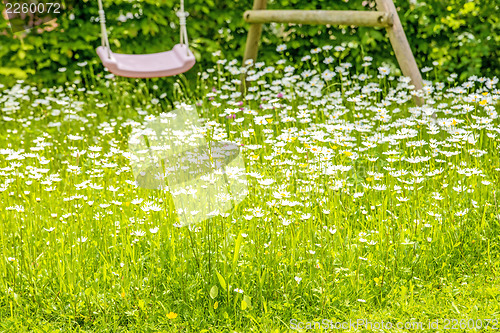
459, 35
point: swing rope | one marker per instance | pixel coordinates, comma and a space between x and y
181, 14
104, 33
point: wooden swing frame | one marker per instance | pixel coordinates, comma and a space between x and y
386, 16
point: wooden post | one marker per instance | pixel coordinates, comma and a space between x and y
253, 38
332, 17
402, 49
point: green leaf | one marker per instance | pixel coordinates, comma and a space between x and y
247, 300
244, 305
237, 248
221, 280
214, 291
146, 28
262, 278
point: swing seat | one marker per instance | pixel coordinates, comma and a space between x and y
169, 63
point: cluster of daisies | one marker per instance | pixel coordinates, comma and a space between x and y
327, 149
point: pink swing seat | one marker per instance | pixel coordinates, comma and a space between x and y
169, 63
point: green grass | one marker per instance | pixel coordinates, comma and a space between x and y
349, 226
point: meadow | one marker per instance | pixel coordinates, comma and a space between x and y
360, 204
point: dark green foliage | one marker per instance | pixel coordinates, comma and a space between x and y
462, 36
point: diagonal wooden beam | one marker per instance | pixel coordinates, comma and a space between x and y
401, 47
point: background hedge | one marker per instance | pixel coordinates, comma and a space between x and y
461, 36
